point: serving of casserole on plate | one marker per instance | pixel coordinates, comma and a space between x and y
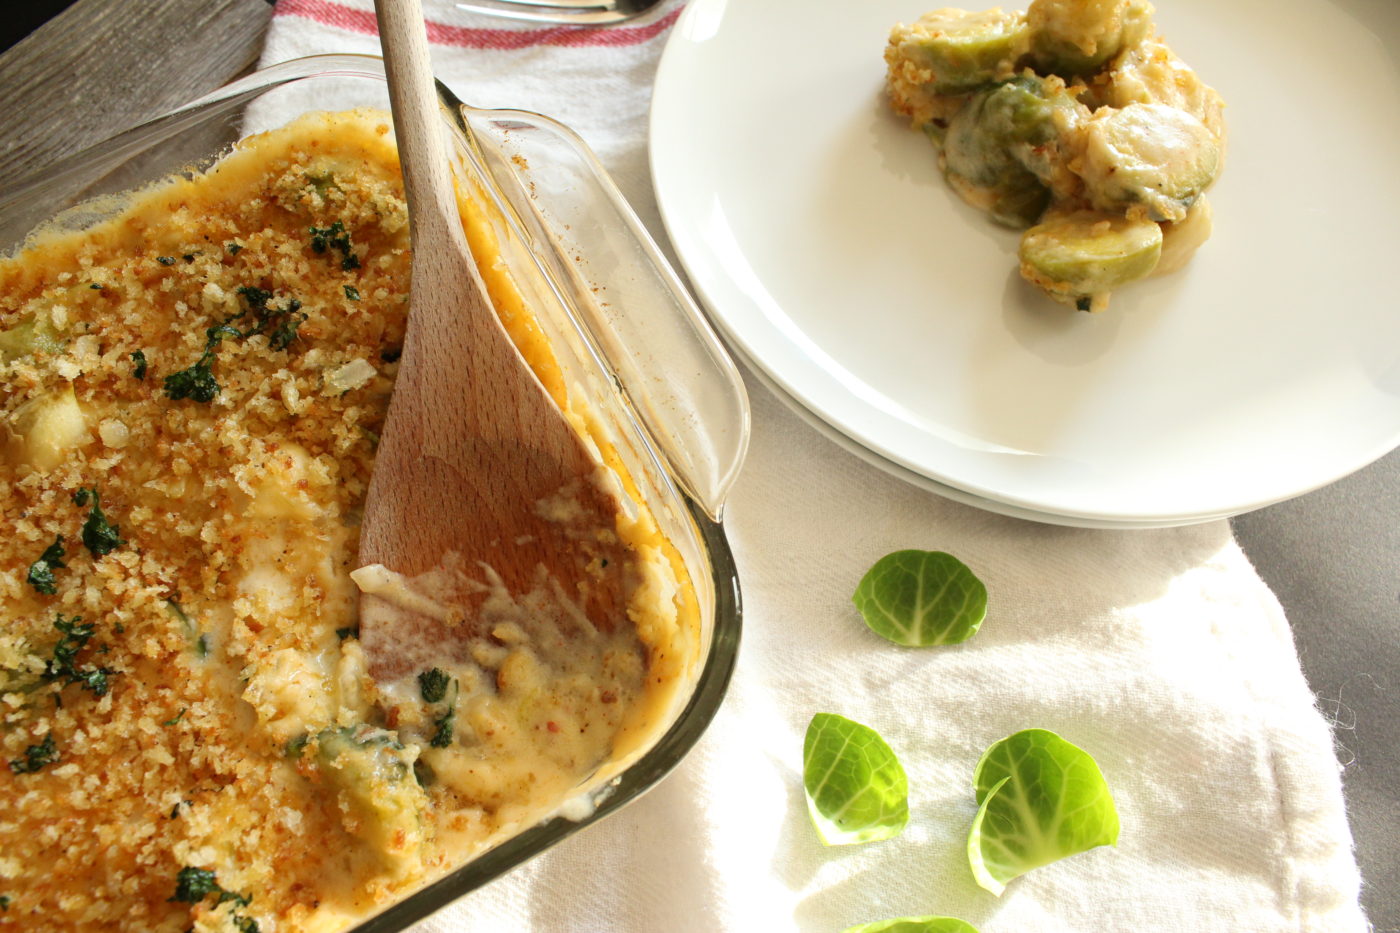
892, 315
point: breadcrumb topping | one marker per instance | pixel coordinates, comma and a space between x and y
193, 393
237, 517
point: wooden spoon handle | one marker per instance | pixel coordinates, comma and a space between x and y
418, 126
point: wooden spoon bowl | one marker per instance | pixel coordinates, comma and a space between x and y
475, 459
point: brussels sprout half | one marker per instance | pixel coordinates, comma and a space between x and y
1078, 258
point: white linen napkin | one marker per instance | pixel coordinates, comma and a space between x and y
1160, 652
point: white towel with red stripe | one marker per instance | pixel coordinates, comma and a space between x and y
597, 81
1161, 652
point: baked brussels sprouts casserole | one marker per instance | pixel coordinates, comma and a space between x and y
193, 734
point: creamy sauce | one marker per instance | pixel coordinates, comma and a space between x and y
538, 692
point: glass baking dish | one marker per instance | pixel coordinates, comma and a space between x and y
631, 342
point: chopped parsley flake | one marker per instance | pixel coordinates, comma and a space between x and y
242, 900
233, 248
93, 679
96, 285
257, 298
193, 885
99, 535
197, 382
350, 631
442, 735
73, 638
166, 260
36, 757
4, 902
178, 716
433, 684
352, 293
284, 321
138, 357
41, 571
335, 236
286, 332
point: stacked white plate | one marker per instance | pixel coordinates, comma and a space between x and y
818, 232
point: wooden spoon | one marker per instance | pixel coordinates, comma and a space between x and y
473, 445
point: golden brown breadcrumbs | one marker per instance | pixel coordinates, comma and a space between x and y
161, 772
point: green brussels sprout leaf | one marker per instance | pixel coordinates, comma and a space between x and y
856, 787
921, 598
914, 925
1040, 799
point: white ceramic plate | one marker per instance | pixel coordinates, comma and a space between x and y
951, 492
820, 235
